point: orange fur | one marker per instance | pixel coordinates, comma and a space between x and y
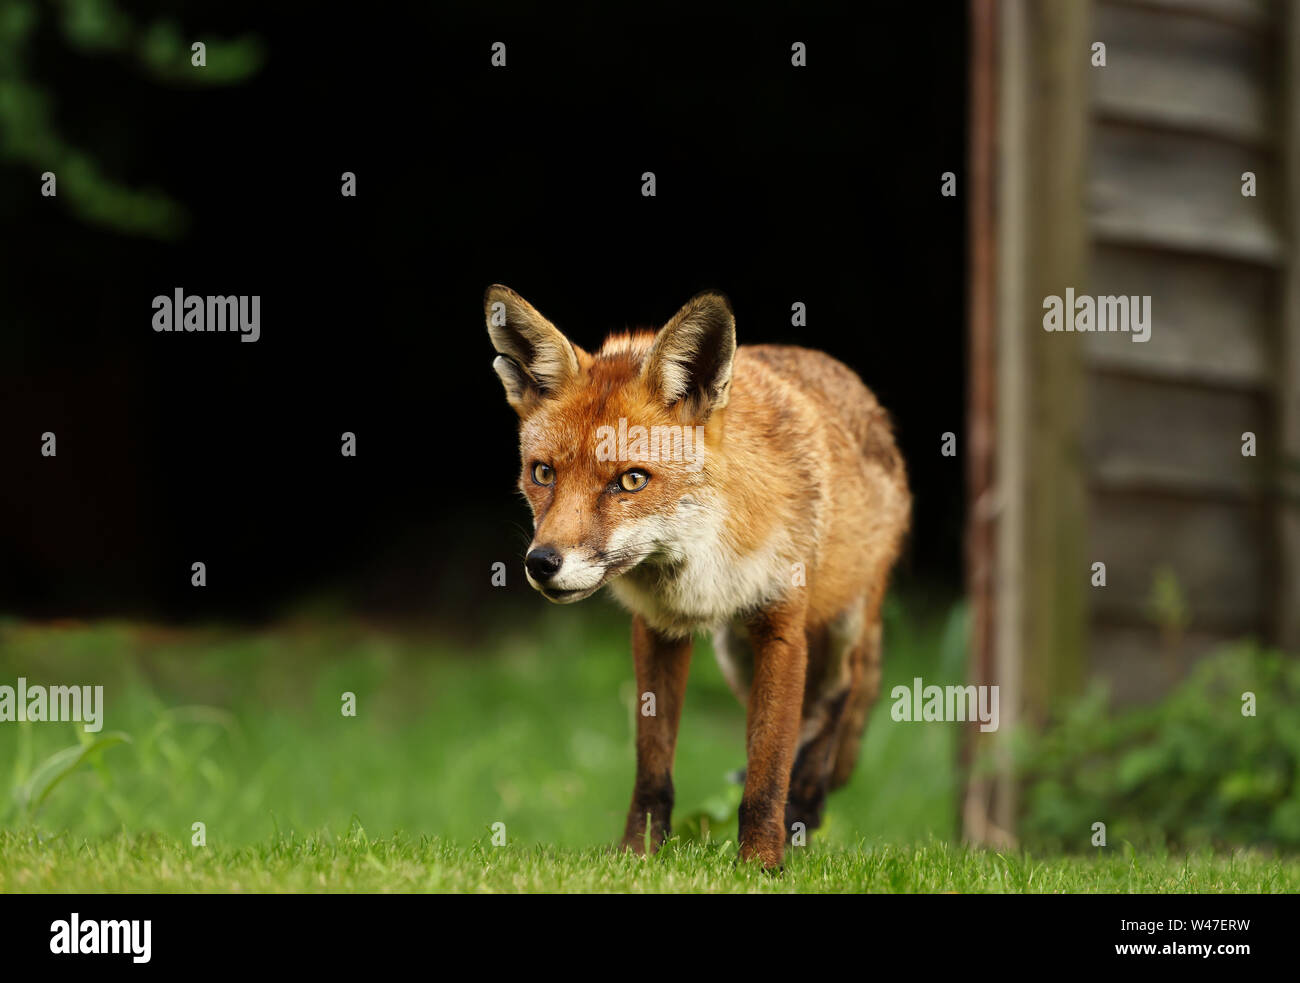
779, 537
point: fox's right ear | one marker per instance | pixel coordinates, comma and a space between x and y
533, 358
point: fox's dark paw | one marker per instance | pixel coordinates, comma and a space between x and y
757, 862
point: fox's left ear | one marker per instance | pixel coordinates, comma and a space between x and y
690, 361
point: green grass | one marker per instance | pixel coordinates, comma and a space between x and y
357, 863
528, 726
531, 727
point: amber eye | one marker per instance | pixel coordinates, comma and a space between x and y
633, 480
543, 474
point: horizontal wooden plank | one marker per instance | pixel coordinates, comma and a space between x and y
1142, 435
1187, 73
1212, 321
1179, 191
1139, 665
1254, 15
1219, 552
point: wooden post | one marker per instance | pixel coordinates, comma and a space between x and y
1287, 600
1026, 566
1056, 569
981, 411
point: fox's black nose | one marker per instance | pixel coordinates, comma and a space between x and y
543, 563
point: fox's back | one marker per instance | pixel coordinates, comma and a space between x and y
839, 399
831, 471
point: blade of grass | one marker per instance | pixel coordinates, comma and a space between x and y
58, 766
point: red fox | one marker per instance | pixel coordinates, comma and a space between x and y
755, 493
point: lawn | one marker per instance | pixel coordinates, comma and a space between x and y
356, 862
521, 732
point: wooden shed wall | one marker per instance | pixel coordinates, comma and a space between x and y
1127, 180
1190, 98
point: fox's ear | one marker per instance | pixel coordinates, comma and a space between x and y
533, 358
690, 360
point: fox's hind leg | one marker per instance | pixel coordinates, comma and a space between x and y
835, 713
811, 776
863, 692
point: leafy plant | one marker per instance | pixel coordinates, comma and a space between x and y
159, 50
29, 795
1216, 762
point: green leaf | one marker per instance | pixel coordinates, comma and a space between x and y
59, 766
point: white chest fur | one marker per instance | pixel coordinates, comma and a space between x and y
694, 577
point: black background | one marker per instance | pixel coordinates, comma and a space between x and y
238, 932
774, 184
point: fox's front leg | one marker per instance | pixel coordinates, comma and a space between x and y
775, 704
662, 665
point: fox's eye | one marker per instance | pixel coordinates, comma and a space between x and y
543, 474
633, 480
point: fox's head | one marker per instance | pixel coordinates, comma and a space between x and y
614, 445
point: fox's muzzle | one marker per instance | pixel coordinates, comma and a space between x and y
562, 577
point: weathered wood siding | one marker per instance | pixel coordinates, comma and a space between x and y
1190, 98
